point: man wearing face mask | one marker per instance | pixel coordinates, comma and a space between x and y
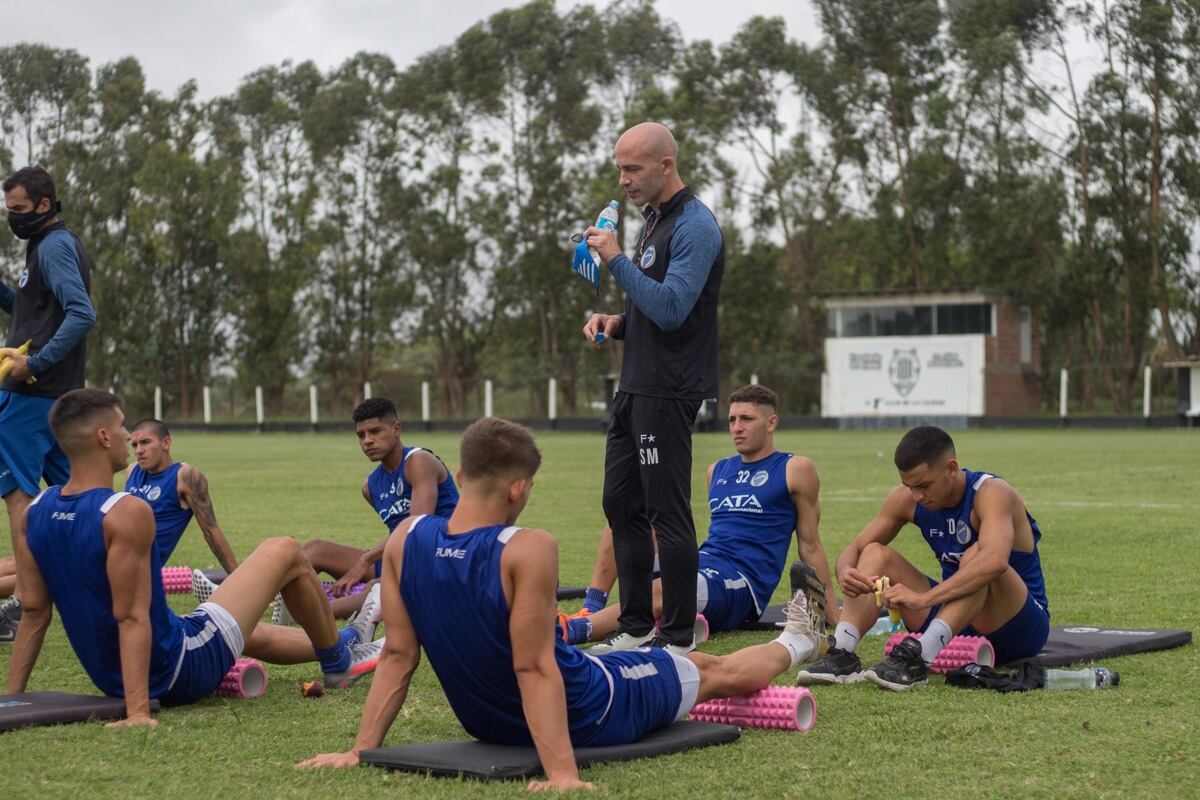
51, 310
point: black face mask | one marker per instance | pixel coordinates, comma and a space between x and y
27, 224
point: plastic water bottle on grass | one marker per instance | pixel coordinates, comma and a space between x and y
1090, 678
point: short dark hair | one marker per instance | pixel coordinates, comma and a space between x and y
156, 426
922, 445
36, 182
77, 408
755, 395
496, 448
375, 408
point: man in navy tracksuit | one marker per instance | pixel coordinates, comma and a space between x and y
669, 368
50, 309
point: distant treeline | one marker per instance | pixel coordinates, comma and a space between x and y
337, 226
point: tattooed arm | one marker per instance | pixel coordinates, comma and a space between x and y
193, 490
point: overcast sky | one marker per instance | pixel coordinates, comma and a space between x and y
219, 41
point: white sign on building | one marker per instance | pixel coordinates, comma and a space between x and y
904, 375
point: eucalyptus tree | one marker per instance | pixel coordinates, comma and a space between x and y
545, 141
359, 296
447, 262
274, 248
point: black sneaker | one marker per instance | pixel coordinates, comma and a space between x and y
11, 609
838, 666
901, 670
8, 630
804, 579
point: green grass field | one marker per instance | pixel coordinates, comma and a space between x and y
1120, 545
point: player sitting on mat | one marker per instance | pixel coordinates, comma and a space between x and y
91, 552
408, 481
175, 491
757, 498
984, 539
478, 593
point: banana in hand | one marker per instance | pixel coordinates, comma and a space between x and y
7, 364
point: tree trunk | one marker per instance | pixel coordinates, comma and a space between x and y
1156, 274
910, 230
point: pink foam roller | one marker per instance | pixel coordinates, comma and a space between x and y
357, 588
246, 679
961, 650
177, 580
786, 708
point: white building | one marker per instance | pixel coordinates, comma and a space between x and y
944, 354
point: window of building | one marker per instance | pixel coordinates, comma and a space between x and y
964, 318
857, 322
904, 321
910, 320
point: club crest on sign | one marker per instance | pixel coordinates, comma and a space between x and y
648, 257
904, 370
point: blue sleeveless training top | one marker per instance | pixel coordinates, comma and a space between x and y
949, 533
753, 518
66, 537
161, 491
391, 495
453, 593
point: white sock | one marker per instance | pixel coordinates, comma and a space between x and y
935, 637
800, 648
846, 636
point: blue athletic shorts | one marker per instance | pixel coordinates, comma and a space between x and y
213, 641
651, 689
28, 451
723, 596
1023, 636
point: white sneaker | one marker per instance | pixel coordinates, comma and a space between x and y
802, 617
364, 657
366, 618
618, 642
279, 612
202, 587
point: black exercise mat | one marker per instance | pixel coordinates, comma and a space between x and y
766, 622
1074, 644
53, 708
491, 762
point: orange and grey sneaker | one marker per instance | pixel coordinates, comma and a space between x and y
364, 657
